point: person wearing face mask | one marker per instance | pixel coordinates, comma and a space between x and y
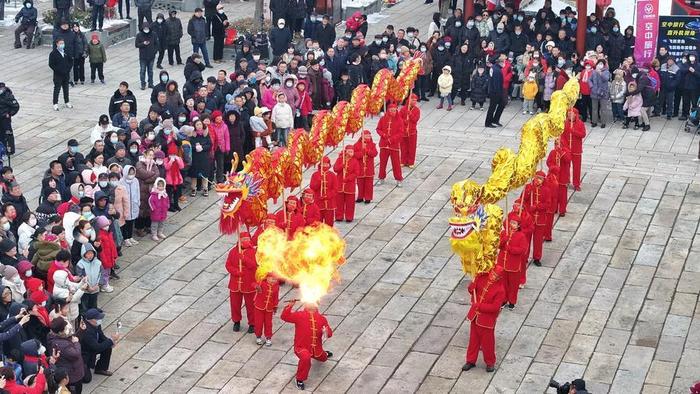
690, 81
147, 172
600, 93
241, 265
133, 198
594, 37
500, 39
441, 58
61, 64
219, 23
435, 24
94, 342
148, 43
615, 46
25, 232
280, 38
28, 17
62, 339
90, 267
160, 31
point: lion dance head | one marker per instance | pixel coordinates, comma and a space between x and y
236, 191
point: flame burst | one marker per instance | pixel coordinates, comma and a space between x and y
310, 260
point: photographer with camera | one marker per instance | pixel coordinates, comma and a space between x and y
577, 386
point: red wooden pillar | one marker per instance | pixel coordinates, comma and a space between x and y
581, 7
468, 9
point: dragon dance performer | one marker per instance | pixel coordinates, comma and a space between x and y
346, 169
325, 186
560, 157
365, 151
241, 266
538, 198
410, 113
309, 325
512, 249
527, 226
551, 182
267, 294
390, 129
309, 209
290, 220
487, 294
572, 138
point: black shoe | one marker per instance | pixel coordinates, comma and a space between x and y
537, 263
93, 29
348, 220
114, 275
179, 63
251, 329
646, 128
602, 125
170, 63
498, 124
468, 366
150, 86
103, 372
171, 209
358, 200
431, 94
71, 83
463, 103
158, 66
668, 118
143, 87
100, 30
236, 326
209, 66
368, 201
329, 354
424, 99
624, 126
490, 126
300, 385
511, 306
682, 118
594, 124
117, 267
490, 368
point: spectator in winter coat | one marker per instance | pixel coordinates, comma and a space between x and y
223, 142
325, 33
219, 24
121, 95
71, 360
160, 30
147, 42
280, 37
600, 93
479, 87
159, 204
173, 34
93, 342
98, 57
133, 194
197, 29
60, 63
670, 79
283, 118
633, 105
28, 17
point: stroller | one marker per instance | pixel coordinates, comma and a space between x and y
693, 121
36, 38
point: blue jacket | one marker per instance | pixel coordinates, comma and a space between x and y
27, 15
496, 80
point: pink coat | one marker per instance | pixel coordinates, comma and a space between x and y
633, 105
268, 98
222, 137
173, 176
159, 206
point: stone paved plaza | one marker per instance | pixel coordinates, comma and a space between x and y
616, 301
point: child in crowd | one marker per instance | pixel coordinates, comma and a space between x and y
445, 82
305, 107
108, 252
260, 127
266, 299
159, 203
90, 267
550, 83
283, 118
173, 165
529, 93
618, 89
479, 85
633, 105
98, 58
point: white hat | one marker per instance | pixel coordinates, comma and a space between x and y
448, 68
280, 20
550, 44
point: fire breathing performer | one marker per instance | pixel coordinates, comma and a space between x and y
487, 294
365, 152
309, 326
537, 197
241, 266
410, 113
572, 138
309, 208
390, 129
512, 248
325, 186
346, 169
560, 157
267, 294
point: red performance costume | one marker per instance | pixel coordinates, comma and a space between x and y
410, 113
290, 220
325, 186
241, 266
346, 169
560, 157
365, 152
572, 138
513, 245
537, 197
527, 226
390, 129
551, 182
267, 296
309, 325
309, 208
487, 295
